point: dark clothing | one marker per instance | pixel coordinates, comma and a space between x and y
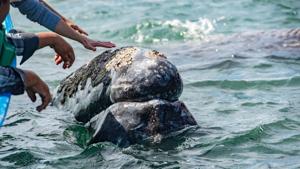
11, 80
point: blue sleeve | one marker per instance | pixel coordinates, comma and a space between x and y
37, 12
11, 80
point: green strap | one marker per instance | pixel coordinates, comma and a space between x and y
7, 50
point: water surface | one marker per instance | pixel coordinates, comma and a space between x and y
244, 93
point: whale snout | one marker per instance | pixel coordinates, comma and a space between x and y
146, 79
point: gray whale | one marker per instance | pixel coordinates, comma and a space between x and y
126, 96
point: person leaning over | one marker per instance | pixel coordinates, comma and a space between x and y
17, 81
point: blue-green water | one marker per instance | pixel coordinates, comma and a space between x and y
244, 91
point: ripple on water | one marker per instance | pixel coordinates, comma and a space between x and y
21, 158
14, 123
248, 84
223, 65
263, 139
250, 104
263, 66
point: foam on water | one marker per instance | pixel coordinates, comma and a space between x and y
185, 30
193, 30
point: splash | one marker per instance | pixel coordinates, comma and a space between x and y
192, 30
172, 30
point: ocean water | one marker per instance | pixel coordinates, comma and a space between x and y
241, 77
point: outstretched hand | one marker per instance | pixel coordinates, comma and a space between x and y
66, 54
69, 29
86, 42
65, 30
92, 44
34, 85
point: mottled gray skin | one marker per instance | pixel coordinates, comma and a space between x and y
67, 95
125, 90
128, 123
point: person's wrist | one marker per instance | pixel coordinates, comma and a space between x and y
81, 39
47, 39
29, 78
55, 39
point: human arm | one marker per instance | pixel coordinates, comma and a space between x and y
16, 81
37, 12
63, 29
67, 21
27, 43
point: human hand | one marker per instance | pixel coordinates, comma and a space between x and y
92, 44
75, 27
65, 52
65, 30
34, 85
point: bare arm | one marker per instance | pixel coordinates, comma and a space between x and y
63, 29
68, 29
